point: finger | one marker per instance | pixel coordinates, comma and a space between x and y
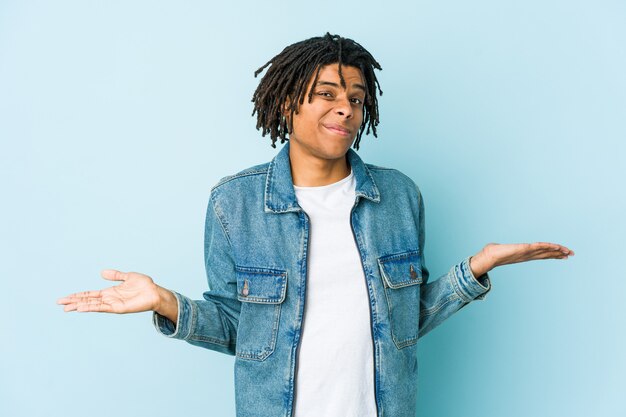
73, 304
79, 295
96, 306
561, 248
546, 245
91, 306
565, 251
63, 300
69, 307
552, 255
553, 246
114, 275
83, 305
73, 298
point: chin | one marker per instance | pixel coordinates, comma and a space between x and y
334, 152
328, 148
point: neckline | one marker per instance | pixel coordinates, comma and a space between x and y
321, 187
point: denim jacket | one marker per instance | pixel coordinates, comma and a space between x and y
256, 241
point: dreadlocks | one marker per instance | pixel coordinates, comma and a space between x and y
286, 80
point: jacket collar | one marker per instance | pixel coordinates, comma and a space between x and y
280, 196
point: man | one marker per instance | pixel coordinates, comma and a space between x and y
315, 260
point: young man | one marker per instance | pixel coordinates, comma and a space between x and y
315, 260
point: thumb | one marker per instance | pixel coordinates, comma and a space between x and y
114, 275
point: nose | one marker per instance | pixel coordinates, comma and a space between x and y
343, 107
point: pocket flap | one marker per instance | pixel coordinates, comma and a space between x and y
401, 269
261, 285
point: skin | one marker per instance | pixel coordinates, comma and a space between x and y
323, 131
325, 128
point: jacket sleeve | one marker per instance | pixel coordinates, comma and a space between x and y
443, 297
212, 322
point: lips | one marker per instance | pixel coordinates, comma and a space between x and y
337, 128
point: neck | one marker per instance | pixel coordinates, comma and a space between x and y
310, 171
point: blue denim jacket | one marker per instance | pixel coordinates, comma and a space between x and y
256, 242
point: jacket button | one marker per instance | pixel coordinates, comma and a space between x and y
413, 273
244, 292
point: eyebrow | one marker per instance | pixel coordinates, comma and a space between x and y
359, 86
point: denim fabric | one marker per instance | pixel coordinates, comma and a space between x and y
256, 242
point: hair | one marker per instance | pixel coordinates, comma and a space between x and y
283, 87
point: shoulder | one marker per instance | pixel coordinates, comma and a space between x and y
391, 179
256, 172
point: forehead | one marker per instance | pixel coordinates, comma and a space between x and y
330, 72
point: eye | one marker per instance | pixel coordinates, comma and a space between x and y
324, 93
356, 100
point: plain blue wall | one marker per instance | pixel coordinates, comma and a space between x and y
117, 117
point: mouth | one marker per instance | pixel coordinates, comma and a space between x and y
337, 129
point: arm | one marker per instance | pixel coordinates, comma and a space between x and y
469, 280
212, 322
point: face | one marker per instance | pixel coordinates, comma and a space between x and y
326, 127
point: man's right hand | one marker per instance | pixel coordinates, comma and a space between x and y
136, 293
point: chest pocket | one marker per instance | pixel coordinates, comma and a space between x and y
402, 275
261, 291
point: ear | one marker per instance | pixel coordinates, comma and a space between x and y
286, 113
286, 107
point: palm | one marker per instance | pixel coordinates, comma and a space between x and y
504, 254
136, 293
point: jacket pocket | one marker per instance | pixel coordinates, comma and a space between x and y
261, 291
402, 276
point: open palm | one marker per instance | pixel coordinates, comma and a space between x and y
496, 254
505, 254
136, 293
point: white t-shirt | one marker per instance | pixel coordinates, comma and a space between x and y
335, 376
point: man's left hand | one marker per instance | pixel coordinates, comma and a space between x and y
495, 254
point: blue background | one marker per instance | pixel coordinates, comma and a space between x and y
117, 117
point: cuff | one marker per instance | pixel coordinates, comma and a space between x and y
186, 319
468, 286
